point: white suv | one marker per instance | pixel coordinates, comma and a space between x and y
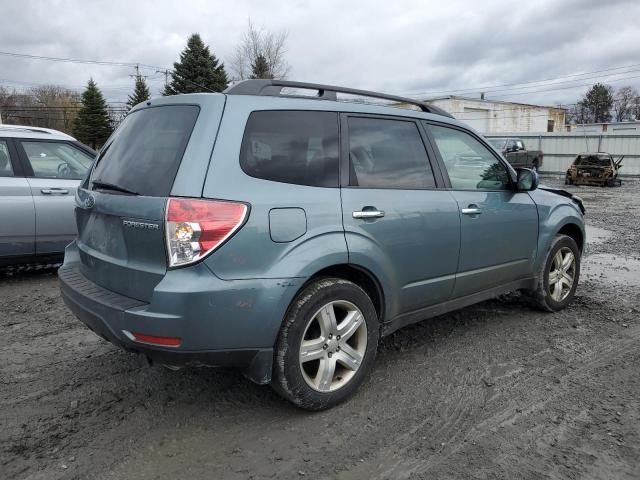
40, 169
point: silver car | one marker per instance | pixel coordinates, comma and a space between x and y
40, 169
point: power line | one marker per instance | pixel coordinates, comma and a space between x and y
75, 60
486, 88
135, 65
490, 87
569, 87
563, 82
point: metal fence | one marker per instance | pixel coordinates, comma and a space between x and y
561, 148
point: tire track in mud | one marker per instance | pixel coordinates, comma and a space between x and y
455, 434
487, 382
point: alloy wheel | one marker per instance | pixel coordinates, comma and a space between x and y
562, 274
333, 346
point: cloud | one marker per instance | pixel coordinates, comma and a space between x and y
411, 46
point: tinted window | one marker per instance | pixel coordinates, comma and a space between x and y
144, 153
292, 147
387, 154
5, 163
470, 165
57, 160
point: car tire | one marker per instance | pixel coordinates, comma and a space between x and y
314, 366
553, 291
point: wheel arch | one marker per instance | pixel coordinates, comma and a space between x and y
361, 276
574, 231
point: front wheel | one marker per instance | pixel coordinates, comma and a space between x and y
326, 345
558, 275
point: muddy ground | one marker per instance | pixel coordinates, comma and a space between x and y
496, 390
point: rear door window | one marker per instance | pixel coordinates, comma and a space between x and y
387, 153
292, 147
144, 153
5, 161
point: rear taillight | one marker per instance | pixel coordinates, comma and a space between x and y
195, 228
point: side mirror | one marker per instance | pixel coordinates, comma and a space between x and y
527, 180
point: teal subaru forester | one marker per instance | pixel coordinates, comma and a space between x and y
282, 228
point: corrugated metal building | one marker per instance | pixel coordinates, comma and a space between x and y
610, 127
560, 149
495, 116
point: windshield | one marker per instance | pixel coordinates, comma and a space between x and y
497, 142
144, 153
593, 161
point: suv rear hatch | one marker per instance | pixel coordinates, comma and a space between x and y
120, 210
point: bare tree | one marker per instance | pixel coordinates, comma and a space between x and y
48, 106
636, 108
260, 43
624, 103
58, 106
578, 114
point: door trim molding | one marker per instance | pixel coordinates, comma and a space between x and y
455, 304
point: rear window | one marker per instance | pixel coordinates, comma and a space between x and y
145, 152
292, 147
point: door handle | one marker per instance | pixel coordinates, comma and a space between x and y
54, 191
471, 210
368, 214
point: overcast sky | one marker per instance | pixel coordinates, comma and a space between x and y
418, 48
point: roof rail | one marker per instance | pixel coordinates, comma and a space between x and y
325, 92
20, 128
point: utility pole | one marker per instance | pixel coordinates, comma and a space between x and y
137, 74
166, 76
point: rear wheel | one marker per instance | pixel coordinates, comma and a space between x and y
558, 275
326, 345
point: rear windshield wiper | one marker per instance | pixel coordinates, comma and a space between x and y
111, 186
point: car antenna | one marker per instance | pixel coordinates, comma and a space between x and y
173, 72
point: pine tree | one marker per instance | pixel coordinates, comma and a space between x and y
260, 68
92, 126
197, 71
598, 102
140, 92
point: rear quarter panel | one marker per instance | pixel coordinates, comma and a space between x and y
252, 252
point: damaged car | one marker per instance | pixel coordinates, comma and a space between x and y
290, 242
598, 169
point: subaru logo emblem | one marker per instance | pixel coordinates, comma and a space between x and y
89, 202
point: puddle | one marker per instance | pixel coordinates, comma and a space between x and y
597, 235
611, 269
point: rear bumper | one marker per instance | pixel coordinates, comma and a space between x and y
231, 324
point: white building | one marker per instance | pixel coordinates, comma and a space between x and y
495, 116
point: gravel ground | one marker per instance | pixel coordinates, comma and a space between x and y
496, 390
